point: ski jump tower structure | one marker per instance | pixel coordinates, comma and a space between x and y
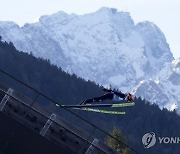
27, 127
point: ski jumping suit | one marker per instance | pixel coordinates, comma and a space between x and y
113, 95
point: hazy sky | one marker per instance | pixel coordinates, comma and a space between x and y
164, 13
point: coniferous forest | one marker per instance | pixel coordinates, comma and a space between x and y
70, 89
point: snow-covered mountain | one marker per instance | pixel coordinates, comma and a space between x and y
165, 89
106, 47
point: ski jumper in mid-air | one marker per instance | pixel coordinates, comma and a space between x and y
110, 95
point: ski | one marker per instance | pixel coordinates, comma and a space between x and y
101, 111
93, 107
99, 105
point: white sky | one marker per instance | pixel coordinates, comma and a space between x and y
164, 13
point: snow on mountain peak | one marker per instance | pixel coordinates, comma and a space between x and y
107, 10
8, 24
165, 90
60, 18
155, 40
156, 48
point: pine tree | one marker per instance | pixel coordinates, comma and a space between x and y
115, 144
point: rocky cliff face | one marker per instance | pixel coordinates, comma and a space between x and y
165, 89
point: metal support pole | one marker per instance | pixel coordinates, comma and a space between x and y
5, 99
48, 124
91, 147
